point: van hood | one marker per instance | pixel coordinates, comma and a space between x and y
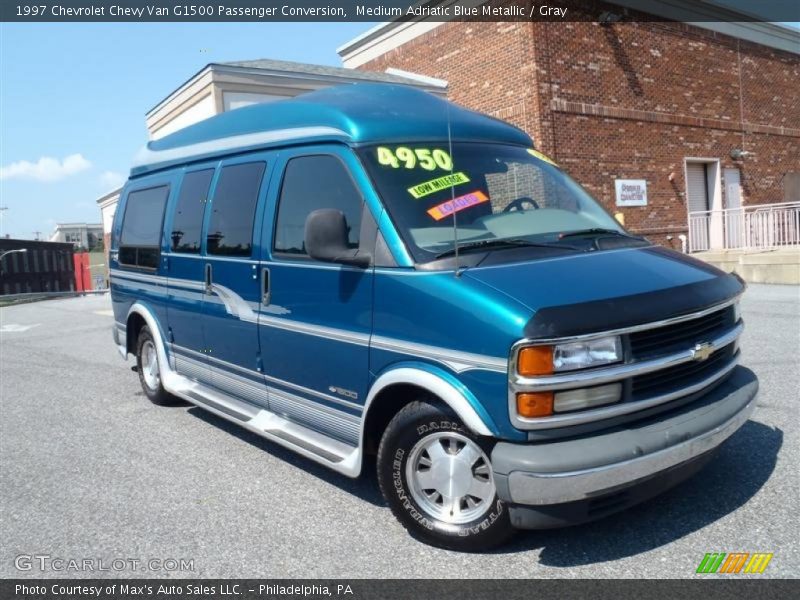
602, 291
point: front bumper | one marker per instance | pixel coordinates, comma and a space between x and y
644, 455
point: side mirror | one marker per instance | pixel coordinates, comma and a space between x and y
326, 239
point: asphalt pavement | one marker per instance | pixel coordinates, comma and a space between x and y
90, 470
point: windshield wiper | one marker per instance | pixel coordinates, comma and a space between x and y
499, 243
596, 231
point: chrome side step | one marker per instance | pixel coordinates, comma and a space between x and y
325, 450
232, 412
297, 441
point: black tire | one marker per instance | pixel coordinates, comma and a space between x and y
419, 424
154, 390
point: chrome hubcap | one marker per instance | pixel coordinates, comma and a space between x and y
150, 365
450, 478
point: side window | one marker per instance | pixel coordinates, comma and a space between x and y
188, 219
140, 240
311, 183
230, 232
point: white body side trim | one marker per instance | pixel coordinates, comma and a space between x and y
253, 312
436, 385
336, 455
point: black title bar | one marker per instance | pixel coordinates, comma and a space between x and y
368, 589
395, 10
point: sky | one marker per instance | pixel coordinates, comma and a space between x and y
74, 96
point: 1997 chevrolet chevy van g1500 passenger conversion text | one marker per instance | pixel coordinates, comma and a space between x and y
371, 270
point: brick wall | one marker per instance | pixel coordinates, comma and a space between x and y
628, 100
488, 66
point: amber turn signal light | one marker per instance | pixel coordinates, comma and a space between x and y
535, 360
535, 404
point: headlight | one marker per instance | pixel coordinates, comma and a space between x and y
545, 360
591, 353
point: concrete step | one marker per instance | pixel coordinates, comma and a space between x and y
766, 266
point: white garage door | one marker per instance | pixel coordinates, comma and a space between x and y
697, 186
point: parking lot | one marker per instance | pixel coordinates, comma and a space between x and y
91, 469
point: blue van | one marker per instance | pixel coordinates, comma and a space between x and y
371, 272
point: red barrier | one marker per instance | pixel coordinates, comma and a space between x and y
83, 275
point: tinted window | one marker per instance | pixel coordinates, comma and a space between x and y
141, 227
311, 183
479, 193
188, 219
234, 208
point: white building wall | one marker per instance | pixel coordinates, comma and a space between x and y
234, 100
203, 109
107, 214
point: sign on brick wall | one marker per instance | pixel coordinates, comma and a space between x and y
631, 192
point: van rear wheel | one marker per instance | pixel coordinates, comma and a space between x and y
437, 478
149, 370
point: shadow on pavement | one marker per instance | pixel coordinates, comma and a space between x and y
742, 466
365, 487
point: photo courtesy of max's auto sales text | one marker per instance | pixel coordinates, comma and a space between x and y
389, 299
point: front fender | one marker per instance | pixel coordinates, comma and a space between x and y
440, 383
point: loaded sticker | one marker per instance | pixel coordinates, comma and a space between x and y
424, 158
436, 185
541, 156
445, 209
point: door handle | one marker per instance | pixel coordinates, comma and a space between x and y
265, 286
208, 289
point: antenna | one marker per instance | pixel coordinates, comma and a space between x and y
452, 191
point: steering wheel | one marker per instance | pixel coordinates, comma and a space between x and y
523, 203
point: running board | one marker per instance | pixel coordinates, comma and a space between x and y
318, 447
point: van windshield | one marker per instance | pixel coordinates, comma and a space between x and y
495, 193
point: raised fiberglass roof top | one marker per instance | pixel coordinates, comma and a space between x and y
358, 113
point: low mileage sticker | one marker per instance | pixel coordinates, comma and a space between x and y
435, 185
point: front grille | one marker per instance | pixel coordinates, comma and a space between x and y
652, 348
669, 338
679, 376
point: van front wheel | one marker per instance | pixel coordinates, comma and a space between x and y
149, 371
438, 481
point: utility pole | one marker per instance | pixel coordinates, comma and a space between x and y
3, 209
36, 233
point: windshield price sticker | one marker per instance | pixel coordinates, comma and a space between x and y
541, 156
424, 158
436, 185
445, 209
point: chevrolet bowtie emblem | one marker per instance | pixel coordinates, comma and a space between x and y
702, 351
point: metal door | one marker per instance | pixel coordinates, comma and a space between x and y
734, 214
